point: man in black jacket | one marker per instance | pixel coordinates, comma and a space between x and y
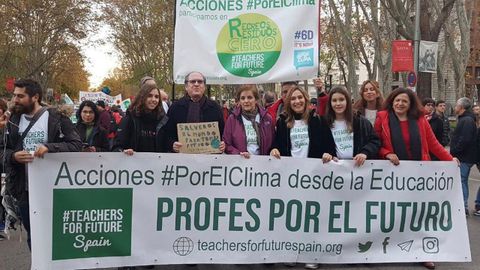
440, 107
49, 132
464, 144
194, 107
435, 122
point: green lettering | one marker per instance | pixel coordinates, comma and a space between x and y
163, 211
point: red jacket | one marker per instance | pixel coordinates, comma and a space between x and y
272, 110
427, 138
322, 101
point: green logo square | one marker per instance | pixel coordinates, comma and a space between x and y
91, 223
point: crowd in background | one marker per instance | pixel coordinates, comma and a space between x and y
396, 128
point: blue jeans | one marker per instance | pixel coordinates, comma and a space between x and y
464, 173
25, 216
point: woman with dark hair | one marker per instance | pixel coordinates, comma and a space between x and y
405, 133
296, 128
370, 101
249, 130
93, 137
348, 135
143, 127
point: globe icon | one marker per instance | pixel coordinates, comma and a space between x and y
183, 246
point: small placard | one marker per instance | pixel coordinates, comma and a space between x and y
199, 138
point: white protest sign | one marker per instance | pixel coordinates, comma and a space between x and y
91, 210
254, 41
96, 96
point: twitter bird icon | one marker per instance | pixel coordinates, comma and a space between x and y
364, 247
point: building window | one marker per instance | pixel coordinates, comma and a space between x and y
396, 76
477, 73
468, 72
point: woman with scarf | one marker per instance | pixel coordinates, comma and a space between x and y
249, 129
347, 135
143, 127
405, 133
93, 137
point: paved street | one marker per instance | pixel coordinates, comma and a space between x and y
14, 254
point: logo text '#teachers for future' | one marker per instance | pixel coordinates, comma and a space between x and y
249, 45
91, 223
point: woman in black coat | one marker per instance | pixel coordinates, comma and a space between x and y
93, 137
296, 128
143, 127
347, 135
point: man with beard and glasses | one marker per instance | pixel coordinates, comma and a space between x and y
51, 132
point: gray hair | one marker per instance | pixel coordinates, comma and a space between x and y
190, 73
465, 102
269, 97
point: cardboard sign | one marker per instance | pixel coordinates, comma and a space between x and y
199, 138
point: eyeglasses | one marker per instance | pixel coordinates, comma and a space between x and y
195, 81
429, 104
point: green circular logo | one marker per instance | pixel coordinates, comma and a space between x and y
249, 45
215, 143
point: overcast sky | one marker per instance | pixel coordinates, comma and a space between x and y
101, 59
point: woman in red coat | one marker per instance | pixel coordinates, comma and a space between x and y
405, 134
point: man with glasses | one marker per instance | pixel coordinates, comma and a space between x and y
277, 108
194, 107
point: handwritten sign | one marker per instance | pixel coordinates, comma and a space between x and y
199, 138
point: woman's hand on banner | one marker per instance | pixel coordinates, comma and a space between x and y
326, 157
393, 158
456, 160
360, 159
275, 153
128, 152
245, 154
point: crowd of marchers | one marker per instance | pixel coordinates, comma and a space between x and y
396, 128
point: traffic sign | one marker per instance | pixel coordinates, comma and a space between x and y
412, 79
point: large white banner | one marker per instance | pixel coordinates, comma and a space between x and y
246, 41
96, 96
107, 209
